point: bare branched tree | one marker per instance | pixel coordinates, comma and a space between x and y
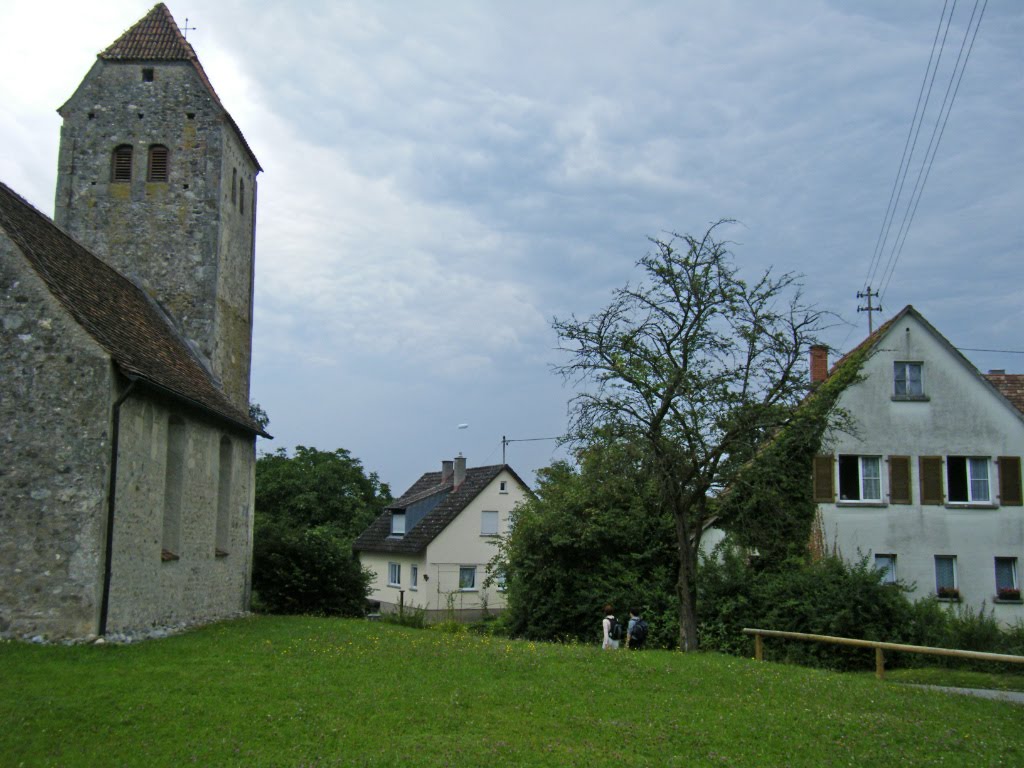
697, 366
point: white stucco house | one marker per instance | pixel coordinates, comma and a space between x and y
928, 482
430, 548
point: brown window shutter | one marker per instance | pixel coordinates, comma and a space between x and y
931, 479
1010, 493
824, 476
157, 163
899, 480
121, 167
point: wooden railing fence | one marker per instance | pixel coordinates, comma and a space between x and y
879, 646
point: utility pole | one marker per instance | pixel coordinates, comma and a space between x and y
867, 294
505, 441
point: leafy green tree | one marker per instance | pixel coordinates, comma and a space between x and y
697, 367
257, 414
587, 538
309, 508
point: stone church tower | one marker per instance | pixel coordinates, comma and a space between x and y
155, 177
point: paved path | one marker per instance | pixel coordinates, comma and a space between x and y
1015, 697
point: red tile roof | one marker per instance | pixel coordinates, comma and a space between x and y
1011, 385
155, 37
119, 315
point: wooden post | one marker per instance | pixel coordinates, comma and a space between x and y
879, 663
758, 648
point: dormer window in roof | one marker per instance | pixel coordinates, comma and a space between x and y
398, 524
121, 163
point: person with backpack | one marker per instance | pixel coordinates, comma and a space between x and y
612, 629
636, 631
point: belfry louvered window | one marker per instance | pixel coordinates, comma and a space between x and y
121, 163
157, 163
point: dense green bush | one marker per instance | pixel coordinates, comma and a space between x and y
310, 571
586, 539
823, 597
309, 508
830, 596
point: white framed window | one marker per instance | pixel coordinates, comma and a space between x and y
907, 379
968, 480
1007, 586
945, 576
886, 564
503, 486
414, 577
467, 577
860, 478
397, 524
488, 523
394, 574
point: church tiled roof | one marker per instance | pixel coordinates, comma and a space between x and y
156, 37
119, 315
377, 537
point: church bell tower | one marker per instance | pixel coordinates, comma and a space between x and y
156, 178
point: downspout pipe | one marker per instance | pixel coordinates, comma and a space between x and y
108, 564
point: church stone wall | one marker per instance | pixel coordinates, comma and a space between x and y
199, 584
55, 410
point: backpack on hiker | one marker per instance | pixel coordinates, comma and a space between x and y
614, 628
638, 636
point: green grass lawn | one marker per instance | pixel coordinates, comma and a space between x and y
328, 692
957, 678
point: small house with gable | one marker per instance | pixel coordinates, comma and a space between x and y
430, 549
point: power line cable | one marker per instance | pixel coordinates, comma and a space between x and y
930, 152
1001, 351
897, 183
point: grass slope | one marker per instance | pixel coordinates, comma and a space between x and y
328, 692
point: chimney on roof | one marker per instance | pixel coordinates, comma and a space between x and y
446, 470
460, 470
819, 363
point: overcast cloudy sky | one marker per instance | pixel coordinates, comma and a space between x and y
441, 179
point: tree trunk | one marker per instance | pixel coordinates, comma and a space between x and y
686, 588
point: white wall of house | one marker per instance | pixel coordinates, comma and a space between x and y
958, 415
466, 543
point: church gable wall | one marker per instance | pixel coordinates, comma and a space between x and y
55, 408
